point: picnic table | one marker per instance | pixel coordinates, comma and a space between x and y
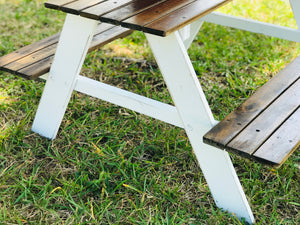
170, 27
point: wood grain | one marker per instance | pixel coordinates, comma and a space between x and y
77, 6
236, 121
283, 142
134, 8
56, 4
35, 60
181, 17
137, 22
96, 11
263, 126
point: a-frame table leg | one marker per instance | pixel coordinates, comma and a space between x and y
190, 101
72, 48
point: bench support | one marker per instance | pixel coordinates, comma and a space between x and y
73, 45
180, 77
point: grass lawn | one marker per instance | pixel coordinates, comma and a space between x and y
110, 165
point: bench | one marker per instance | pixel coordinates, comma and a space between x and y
266, 127
33, 61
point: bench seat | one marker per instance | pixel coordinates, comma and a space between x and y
266, 126
35, 60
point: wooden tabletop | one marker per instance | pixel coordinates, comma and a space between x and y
159, 17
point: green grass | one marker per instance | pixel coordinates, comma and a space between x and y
110, 165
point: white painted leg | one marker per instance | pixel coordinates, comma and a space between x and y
188, 33
197, 119
74, 41
295, 4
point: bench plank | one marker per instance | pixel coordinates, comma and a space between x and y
27, 50
262, 127
236, 121
283, 142
35, 60
78, 6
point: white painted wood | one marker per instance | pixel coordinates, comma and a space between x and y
197, 118
295, 4
129, 100
189, 34
74, 41
254, 26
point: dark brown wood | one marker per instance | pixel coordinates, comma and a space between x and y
129, 10
27, 50
35, 60
96, 11
236, 121
159, 17
283, 142
137, 22
56, 4
263, 127
77, 6
179, 18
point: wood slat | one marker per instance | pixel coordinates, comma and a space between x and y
138, 21
56, 4
263, 126
160, 17
96, 11
181, 17
235, 122
283, 142
35, 60
120, 14
29, 49
32, 58
77, 6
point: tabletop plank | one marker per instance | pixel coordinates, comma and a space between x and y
183, 16
96, 11
139, 20
133, 8
283, 142
56, 4
236, 121
79, 5
263, 126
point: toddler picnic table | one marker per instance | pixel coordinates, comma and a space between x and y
170, 27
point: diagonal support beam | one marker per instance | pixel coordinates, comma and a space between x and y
190, 101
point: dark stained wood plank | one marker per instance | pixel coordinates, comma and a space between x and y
56, 4
116, 16
235, 122
263, 126
181, 17
283, 142
96, 11
138, 21
77, 6
27, 50
32, 58
37, 69
37, 62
